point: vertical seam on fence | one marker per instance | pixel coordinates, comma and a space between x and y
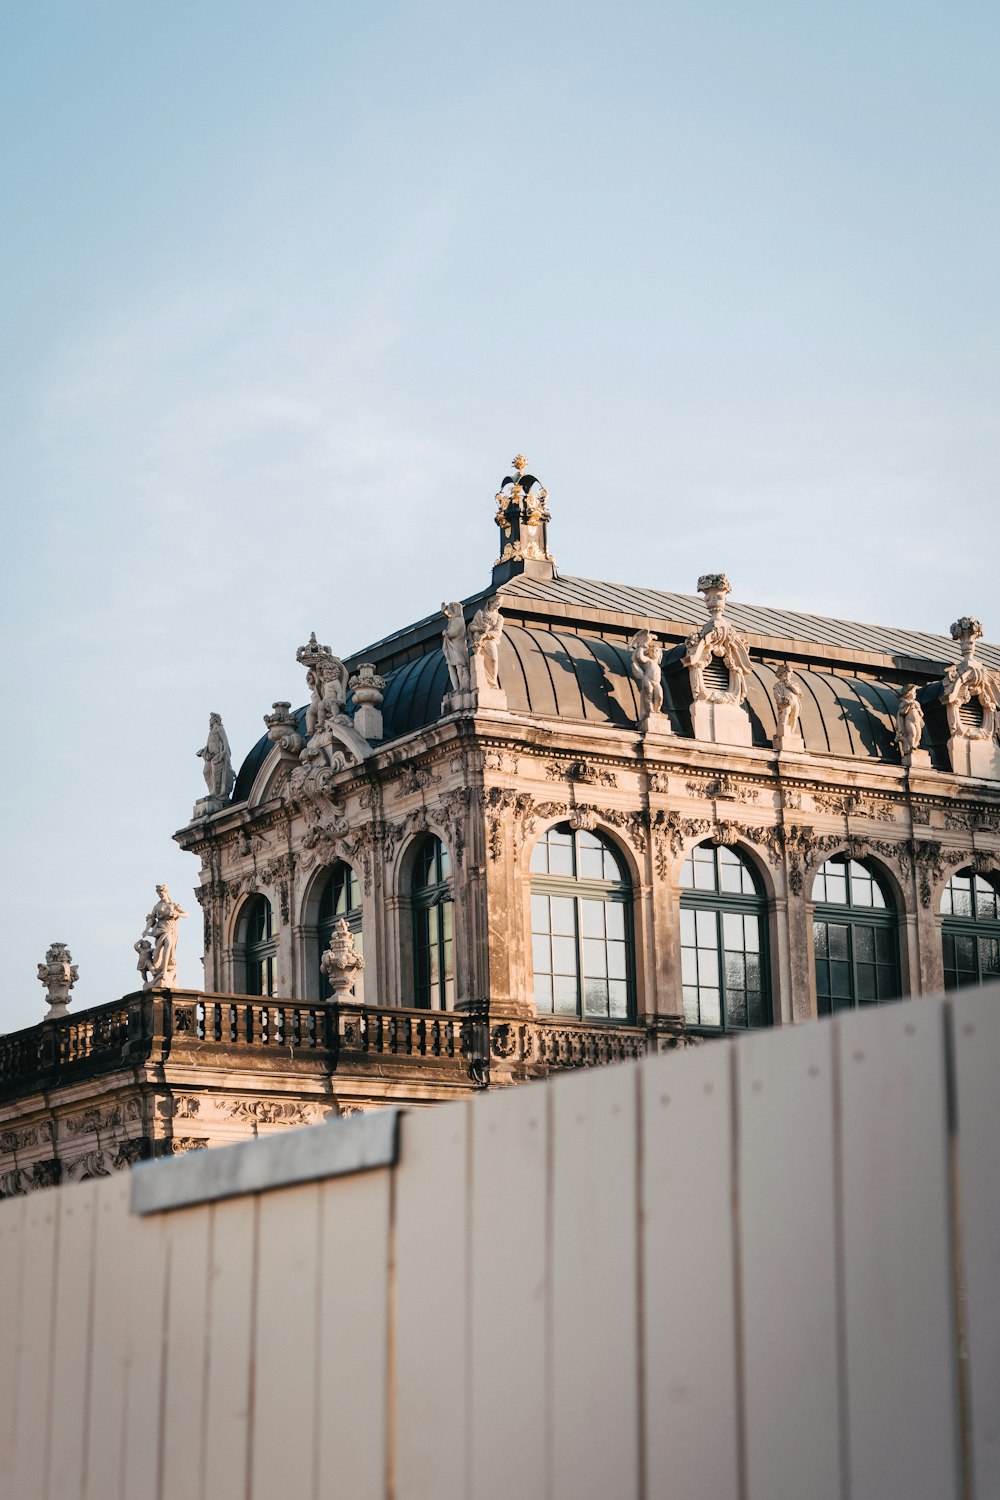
549, 1311
734, 1198
640, 1285
960, 1341
89, 1355
206, 1357
390, 1343
252, 1371
161, 1423
322, 1208
47, 1460
839, 1266
467, 1257
19, 1313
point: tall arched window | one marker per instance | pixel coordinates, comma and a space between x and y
433, 927
581, 927
854, 932
970, 932
723, 941
341, 898
260, 947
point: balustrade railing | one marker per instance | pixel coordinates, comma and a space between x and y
477, 1042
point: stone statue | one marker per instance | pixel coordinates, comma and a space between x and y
909, 722
456, 647
484, 640
58, 974
326, 679
341, 963
144, 948
787, 701
218, 770
717, 637
646, 666
159, 964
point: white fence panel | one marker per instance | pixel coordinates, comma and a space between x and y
509, 1280
689, 1328
976, 1032
730, 1273
69, 1370
787, 1250
12, 1233
430, 1306
353, 1383
897, 1270
594, 1362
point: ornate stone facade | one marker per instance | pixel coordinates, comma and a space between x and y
417, 788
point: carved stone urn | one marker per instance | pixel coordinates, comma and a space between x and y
58, 974
341, 963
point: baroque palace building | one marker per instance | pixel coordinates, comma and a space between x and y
556, 824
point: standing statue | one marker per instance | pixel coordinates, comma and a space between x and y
787, 701
58, 974
456, 647
909, 723
484, 640
157, 960
646, 666
220, 777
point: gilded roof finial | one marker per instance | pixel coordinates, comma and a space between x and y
520, 463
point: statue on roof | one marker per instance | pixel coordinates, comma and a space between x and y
326, 679
485, 631
646, 658
158, 955
718, 637
455, 646
220, 777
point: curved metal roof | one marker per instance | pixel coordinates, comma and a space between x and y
560, 674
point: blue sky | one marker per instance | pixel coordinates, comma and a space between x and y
285, 286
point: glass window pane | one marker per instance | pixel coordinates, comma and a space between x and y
864, 944
564, 955
837, 940
751, 933
707, 928
689, 965
885, 948
989, 957
540, 913
543, 991
840, 980
961, 895
756, 1011
617, 961
596, 997
704, 869
564, 995
687, 874
711, 1008
821, 939
735, 971
614, 917
730, 871
867, 989
836, 885
592, 918
732, 929
691, 1011
618, 999
560, 853
541, 955
563, 914
736, 1007
861, 887
688, 926
540, 856
591, 858
595, 958
755, 976
443, 861
986, 900
708, 966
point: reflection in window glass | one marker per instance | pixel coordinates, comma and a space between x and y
433, 927
261, 948
723, 941
581, 935
854, 938
970, 931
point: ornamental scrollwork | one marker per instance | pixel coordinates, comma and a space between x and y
853, 805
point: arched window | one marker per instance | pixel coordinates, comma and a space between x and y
260, 948
854, 931
341, 898
970, 932
433, 927
723, 941
581, 927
